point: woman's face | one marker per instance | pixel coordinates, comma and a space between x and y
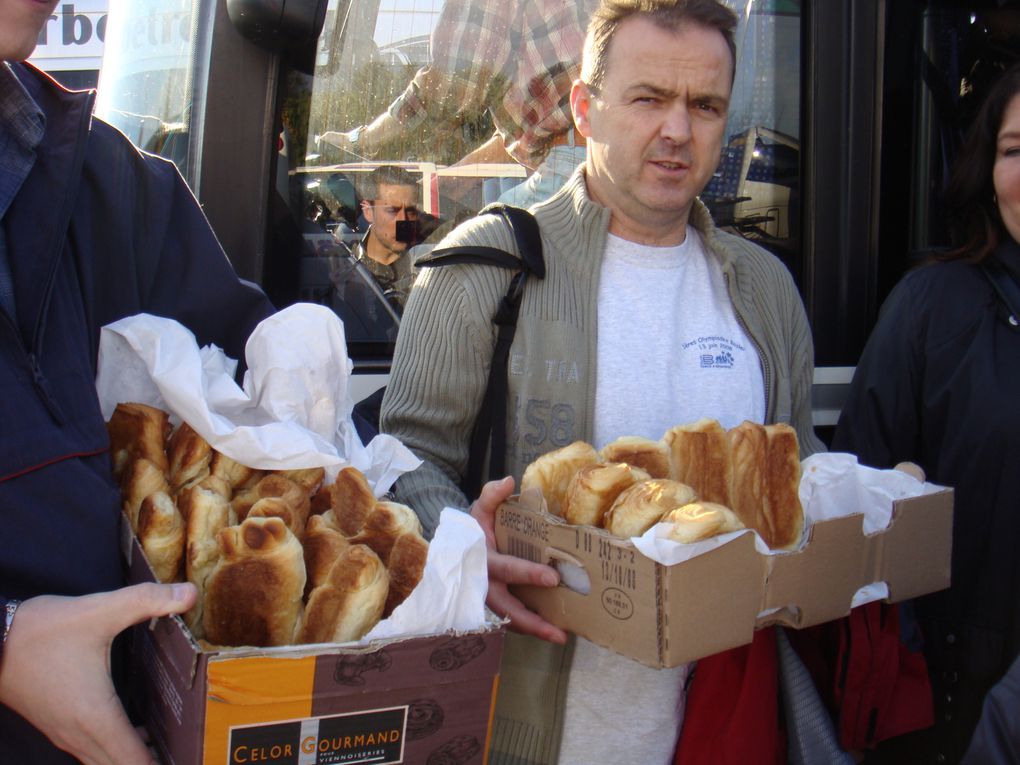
1006, 171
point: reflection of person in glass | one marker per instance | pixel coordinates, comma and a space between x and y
516, 58
391, 196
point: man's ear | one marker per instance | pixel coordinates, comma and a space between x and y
366, 209
580, 102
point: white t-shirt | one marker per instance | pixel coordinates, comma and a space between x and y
670, 351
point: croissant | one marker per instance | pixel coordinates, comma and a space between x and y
641, 506
551, 473
351, 600
253, 596
593, 489
161, 535
651, 456
138, 431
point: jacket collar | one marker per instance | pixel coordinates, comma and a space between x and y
577, 210
39, 216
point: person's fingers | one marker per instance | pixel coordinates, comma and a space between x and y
509, 569
483, 509
513, 570
523, 620
493, 494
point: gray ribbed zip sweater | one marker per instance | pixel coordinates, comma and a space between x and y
441, 365
446, 339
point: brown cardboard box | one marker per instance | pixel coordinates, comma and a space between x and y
663, 616
417, 700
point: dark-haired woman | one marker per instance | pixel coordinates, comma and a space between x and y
939, 384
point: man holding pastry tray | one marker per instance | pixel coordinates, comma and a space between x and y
647, 316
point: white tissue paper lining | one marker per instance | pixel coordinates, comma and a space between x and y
832, 485
293, 411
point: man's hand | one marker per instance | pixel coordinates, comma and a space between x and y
56, 668
507, 569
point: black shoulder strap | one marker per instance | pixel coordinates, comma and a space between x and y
489, 432
1005, 286
526, 235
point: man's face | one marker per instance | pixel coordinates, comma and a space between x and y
20, 23
655, 127
393, 203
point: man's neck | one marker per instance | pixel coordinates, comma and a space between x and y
378, 253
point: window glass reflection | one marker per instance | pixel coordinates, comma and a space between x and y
470, 98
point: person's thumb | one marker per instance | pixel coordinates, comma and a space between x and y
495, 493
139, 602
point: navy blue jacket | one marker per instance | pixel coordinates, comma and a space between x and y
98, 231
937, 385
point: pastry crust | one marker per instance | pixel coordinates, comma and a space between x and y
785, 514
651, 456
700, 520
699, 457
189, 455
275, 486
277, 507
387, 522
140, 479
138, 431
206, 512
351, 500
593, 489
551, 473
309, 479
748, 446
161, 535
350, 602
644, 504
253, 596
765, 482
323, 544
406, 566
238, 476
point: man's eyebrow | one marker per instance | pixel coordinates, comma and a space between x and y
649, 89
645, 88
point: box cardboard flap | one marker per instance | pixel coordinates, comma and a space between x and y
925, 523
817, 583
712, 595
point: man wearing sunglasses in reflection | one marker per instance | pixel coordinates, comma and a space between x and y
391, 197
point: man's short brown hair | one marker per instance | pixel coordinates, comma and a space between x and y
386, 175
667, 14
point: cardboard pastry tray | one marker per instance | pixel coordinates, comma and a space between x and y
663, 616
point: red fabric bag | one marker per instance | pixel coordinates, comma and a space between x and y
885, 691
732, 712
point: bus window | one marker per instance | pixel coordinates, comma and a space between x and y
470, 98
465, 101
151, 60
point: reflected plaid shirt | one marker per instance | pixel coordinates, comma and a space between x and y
516, 58
21, 129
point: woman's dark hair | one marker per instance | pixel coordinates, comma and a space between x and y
975, 226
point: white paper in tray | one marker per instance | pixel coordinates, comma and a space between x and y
293, 410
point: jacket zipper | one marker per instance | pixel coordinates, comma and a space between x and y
765, 366
38, 378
